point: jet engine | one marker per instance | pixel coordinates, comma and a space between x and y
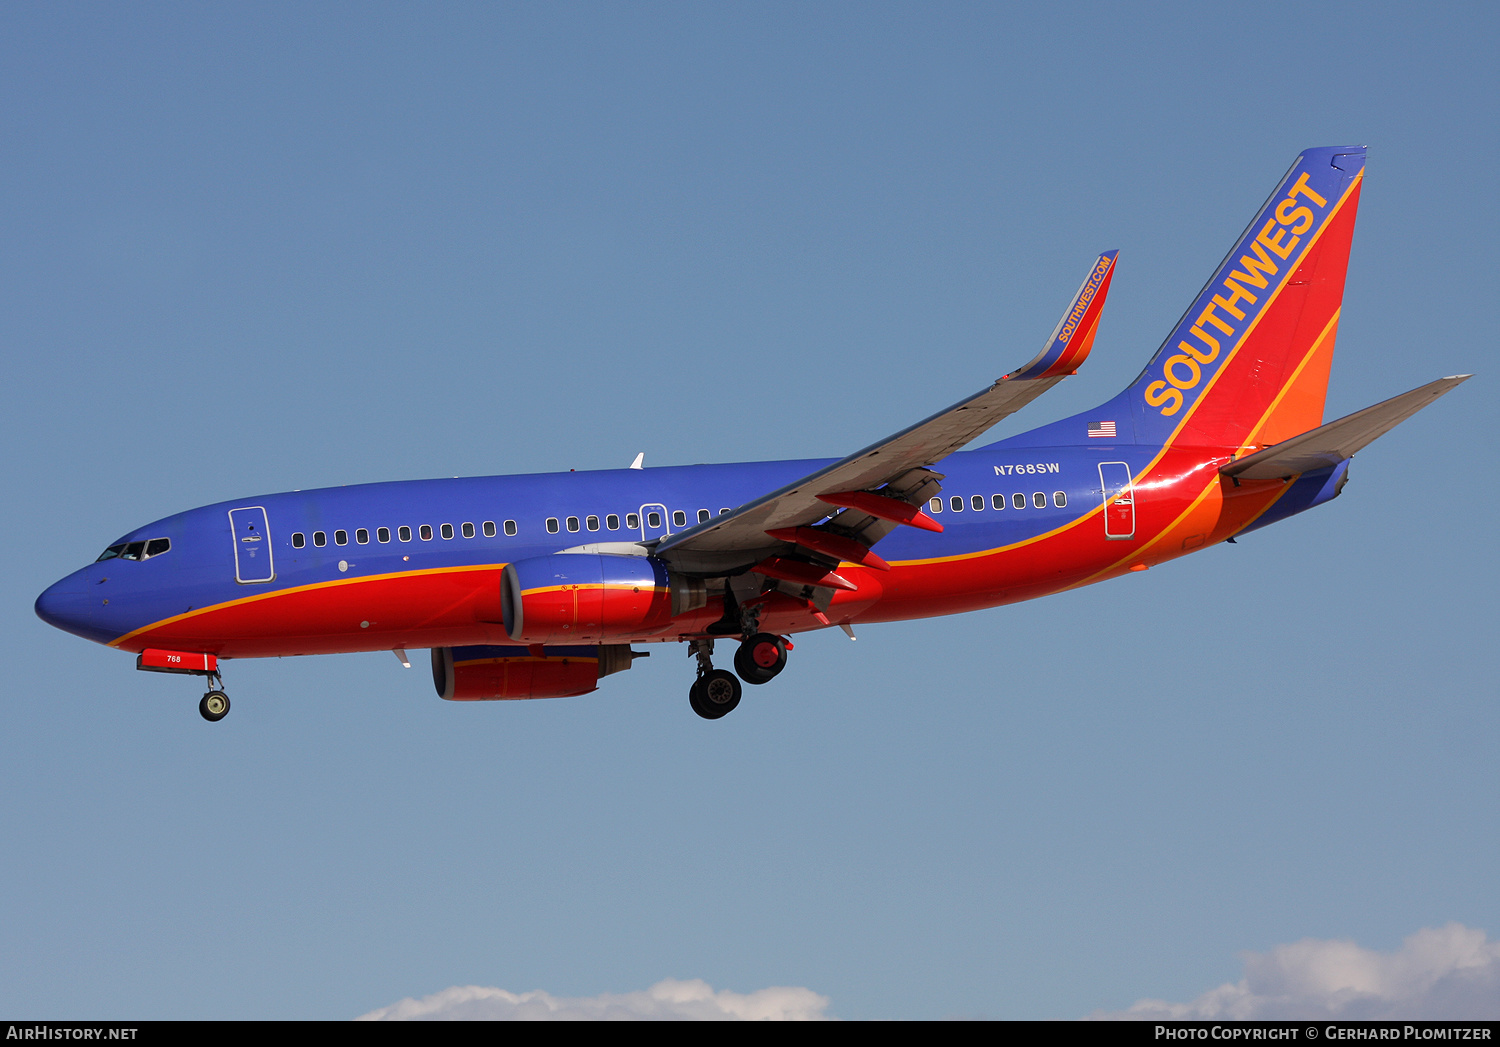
573, 597
469, 674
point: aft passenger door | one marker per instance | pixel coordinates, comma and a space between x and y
1119, 500
252, 545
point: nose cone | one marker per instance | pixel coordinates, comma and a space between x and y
68, 605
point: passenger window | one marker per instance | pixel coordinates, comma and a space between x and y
936, 505
510, 527
468, 530
977, 502
612, 521
703, 515
1039, 500
1059, 499
298, 541
679, 518
446, 530
572, 523
633, 521
489, 528
591, 522
998, 501
404, 533
1018, 500
956, 503
551, 525
382, 535
425, 531
362, 536
653, 519
340, 537
320, 539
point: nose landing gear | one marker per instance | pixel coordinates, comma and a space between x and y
214, 705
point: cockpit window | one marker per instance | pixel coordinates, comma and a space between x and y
136, 550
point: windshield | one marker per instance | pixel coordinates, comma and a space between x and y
136, 550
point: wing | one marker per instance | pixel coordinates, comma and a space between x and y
882, 486
1330, 444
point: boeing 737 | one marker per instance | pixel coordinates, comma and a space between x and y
537, 586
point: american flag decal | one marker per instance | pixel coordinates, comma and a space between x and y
1106, 429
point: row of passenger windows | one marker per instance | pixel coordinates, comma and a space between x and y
632, 521
403, 534
609, 522
976, 502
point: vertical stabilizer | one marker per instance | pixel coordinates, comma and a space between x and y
1247, 365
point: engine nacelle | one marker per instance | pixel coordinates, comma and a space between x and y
574, 597
472, 674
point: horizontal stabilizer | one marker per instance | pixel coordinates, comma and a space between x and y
1330, 444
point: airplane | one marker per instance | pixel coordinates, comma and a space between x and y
537, 586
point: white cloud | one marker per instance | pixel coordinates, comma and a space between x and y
1447, 972
668, 1000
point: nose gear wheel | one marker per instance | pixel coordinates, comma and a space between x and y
214, 706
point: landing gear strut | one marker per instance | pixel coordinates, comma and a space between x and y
716, 691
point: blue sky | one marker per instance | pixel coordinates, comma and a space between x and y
250, 249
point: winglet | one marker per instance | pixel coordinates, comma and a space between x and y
1074, 335
640, 461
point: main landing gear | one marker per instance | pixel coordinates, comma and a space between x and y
758, 659
715, 692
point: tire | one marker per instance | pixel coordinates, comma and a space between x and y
695, 699
715, 694
760, 659
214, 706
